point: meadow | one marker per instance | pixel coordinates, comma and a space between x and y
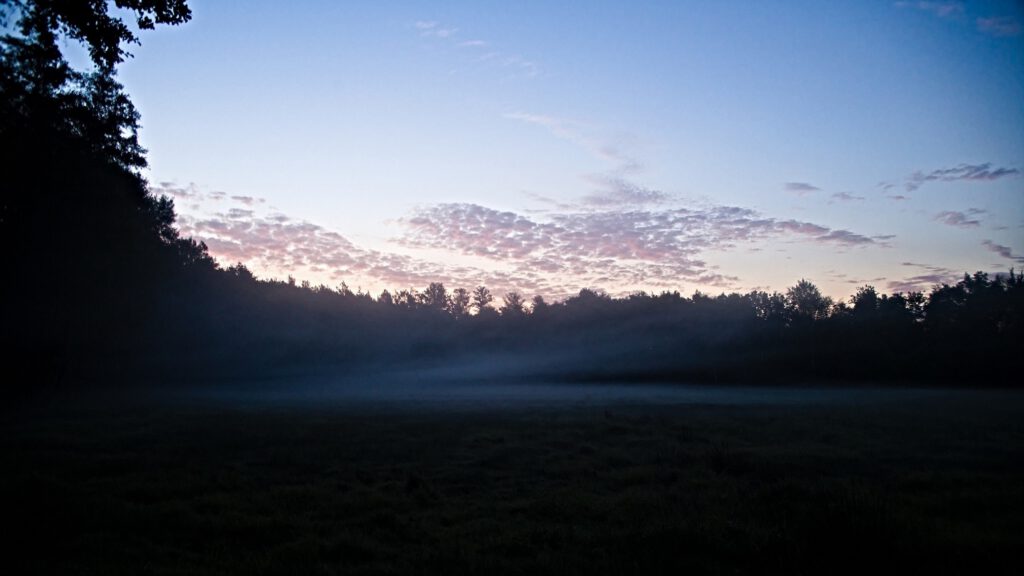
542, 480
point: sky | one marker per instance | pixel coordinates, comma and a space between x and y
547, 147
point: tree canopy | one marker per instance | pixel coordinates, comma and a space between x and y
92, 22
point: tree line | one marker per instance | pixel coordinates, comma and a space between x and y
967, 330
974, 296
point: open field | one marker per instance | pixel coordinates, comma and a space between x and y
749, 480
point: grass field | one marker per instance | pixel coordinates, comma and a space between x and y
927, 483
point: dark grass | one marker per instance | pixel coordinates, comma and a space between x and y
933, 485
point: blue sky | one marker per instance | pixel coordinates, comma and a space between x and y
711, 146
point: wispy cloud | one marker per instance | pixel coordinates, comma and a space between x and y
999, 26
967, 172
846, 197
516, 63
547, 200
925, 278
1004, 251
527, 67
176, 191
614, 187
248, 200
887, 189
580, 134
801, 188
432, 28
940, 9
960, 219
615, 191
586, 137
844, 237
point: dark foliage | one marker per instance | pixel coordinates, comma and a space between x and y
92, 256
91, 22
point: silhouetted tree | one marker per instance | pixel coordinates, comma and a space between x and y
538, 306
241, 272
435, 297
805, 301
98, 256
408, 299
93, 23
513, 304
482, 298
588, 298
865, 302
769, 306
458, 303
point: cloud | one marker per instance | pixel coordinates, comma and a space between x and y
630, 248
1003, 251
562, 128
239, 213
432, 28
618, 192
614, 189
800, 188
281, 244
248, 200
277, 245
964, 172
527, 67
173, 190
630, 242
193, 194
959, 219
846, 197
999, 26
928, 277
844, 237
558, 204
522, 67
919, 283
940, 9
584, 136
887, 188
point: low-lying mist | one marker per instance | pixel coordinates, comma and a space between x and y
496, 384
